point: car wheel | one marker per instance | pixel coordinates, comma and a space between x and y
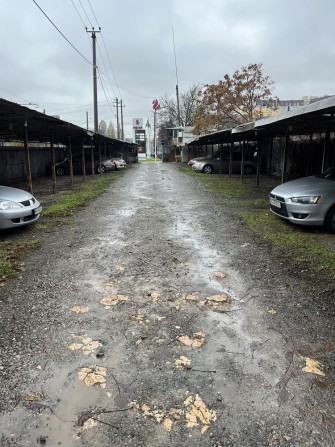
60, 171
101, 169
330, 220
248, 169
208, 169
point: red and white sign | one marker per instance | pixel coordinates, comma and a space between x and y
155, 103
137, 123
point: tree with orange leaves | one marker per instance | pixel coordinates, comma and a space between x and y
234, 100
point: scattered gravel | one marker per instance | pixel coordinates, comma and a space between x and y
159, 246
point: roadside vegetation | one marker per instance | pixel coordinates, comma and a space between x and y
305, 249
57, 210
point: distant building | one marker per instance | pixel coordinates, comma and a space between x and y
178, 137
276, 106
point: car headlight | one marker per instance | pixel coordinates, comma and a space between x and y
307, 200
9, 205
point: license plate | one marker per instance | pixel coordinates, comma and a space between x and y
275, 202
37, 211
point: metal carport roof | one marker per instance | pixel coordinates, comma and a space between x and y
15, 120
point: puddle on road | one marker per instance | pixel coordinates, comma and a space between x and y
59, 427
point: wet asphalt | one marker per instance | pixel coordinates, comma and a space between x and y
155, 319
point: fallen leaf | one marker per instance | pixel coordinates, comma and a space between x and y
113, 300
93, 376
196, 342
32, 397
197, 412
79, 310
191, 296
272, 311
167, 424
312, 366
86, 344
219, 275
182, 361
154, 296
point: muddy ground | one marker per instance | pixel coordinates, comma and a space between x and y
155, 319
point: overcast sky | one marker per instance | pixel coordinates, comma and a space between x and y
293, 39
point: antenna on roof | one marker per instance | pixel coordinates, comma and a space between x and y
177, 89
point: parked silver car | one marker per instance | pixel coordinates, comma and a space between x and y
119, 163
216, 164
17, 207
307, 201
63, 167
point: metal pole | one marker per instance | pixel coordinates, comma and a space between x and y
155, 149
122, 132
95, 91
117, 119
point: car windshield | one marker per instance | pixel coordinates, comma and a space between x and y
328, 174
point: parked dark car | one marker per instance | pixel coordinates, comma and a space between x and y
63, 167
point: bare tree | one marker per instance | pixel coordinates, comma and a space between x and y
168, 112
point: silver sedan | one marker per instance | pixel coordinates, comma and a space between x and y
17, 207
307, 201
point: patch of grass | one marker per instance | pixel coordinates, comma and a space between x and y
303, 246
220, 184
68, 203
11, 254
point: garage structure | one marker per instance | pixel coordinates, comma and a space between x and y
293, 144
31, 142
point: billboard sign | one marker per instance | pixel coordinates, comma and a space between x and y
137, 123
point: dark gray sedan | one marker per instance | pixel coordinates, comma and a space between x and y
17, 207
307, 201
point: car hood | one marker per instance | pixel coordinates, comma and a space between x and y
14, 194
304, 186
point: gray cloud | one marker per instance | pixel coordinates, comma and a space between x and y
293, 39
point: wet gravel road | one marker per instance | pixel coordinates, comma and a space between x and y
154, 319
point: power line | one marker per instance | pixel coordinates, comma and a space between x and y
62, 33
86, 14
82, 21
93, 12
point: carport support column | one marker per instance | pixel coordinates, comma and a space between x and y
92, 158
287, 144
325, 148
83, 160
242, 158
259, 159
53, 170
231, 146
69, 154
27, 159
